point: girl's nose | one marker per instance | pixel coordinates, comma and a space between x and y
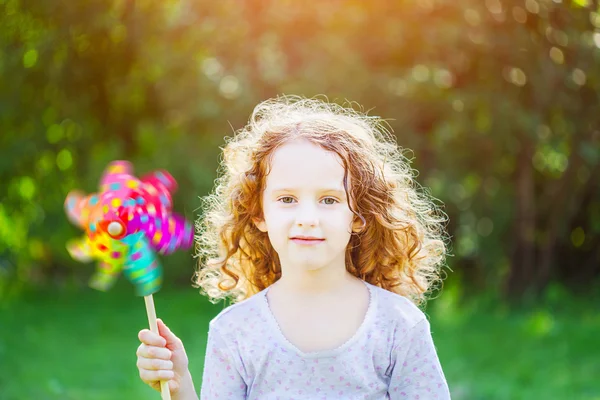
307, 216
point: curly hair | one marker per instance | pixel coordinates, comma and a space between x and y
402, 244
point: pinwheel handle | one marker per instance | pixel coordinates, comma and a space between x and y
150, 310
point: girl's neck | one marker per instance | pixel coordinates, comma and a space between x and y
322, 282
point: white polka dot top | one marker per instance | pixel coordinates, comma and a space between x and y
391, 356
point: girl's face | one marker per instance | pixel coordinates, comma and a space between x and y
306, 212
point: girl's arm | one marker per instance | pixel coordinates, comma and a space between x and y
221, 378
187, 390
417, 372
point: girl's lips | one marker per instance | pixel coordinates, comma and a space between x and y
307, 241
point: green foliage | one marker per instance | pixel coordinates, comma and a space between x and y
497, 99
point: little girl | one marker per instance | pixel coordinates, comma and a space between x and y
319, 234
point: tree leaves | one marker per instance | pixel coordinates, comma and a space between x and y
480, 90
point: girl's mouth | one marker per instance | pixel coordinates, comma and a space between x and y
307, 240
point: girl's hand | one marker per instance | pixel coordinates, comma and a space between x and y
162, 357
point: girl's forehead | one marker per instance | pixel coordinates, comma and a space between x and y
303, 151
303, 164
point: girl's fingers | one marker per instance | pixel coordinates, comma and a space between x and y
173, 386
150, 377
150, 338
154, 364
153, 352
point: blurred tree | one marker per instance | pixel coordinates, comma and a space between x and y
497, 98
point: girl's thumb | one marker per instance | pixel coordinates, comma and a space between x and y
166, 333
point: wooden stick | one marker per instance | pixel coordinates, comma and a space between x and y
164, 386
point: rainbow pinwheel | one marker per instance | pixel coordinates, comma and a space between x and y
125, 224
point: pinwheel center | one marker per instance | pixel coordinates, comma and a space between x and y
115, 228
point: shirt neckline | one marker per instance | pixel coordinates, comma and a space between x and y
330, 352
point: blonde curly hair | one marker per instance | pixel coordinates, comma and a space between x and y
402, 244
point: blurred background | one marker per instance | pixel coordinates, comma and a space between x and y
498, 101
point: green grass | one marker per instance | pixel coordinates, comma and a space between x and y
81, 346
549, 351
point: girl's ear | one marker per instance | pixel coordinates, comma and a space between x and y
357, 225
260, 224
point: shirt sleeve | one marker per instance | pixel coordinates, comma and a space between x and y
417, 373
221, 378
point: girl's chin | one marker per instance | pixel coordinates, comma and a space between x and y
307, 266
313, 267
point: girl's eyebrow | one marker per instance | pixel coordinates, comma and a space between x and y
334, 190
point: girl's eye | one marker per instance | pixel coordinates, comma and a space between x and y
287, 200
330, 200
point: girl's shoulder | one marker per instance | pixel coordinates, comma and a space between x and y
243, 314
396, 309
